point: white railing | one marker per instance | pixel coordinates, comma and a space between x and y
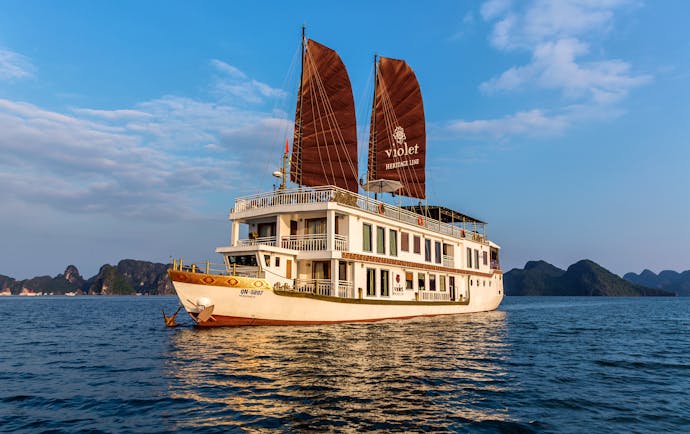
433, 296
347, 198
264, 241
448, 261
312, 242
313, 286
345, 289
285, 197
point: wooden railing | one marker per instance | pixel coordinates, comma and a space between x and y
353, 200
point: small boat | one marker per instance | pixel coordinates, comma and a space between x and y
323, 250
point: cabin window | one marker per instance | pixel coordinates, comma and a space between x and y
437, 249
393, 242
371, 282
277, 261
476, 259
380, 240
366, 237
469, 258
248, 260
421, 281
417, 244
316, 226
267, 260
432, 282
441, 283
427, 250
384, 283
486, 258
321, 270
266, 230
404, 241
409, 280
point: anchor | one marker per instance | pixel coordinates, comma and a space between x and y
170, 320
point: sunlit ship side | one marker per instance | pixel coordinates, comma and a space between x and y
324, 253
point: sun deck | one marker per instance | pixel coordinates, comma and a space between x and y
464, 227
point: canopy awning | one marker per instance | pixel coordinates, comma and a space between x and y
442, 214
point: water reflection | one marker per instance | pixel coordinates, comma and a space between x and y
421, 374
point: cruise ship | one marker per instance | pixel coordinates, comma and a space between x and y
324, 247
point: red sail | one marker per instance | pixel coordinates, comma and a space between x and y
325, 144
397, 141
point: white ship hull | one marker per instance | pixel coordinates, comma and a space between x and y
254, 302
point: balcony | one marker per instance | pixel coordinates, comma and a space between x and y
312, 242
324, 287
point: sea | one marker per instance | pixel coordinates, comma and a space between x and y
537, 364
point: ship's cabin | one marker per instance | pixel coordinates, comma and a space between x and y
331, 242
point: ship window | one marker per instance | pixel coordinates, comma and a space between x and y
469, 258
404, 241
277, 261
417, 244
441, 283
366, 237
437, 249
421, 281
267, 230
476, 259
393, 243
248, 260
432, 282
316, 226
384, 283
409, 277
486, 258
427, 250
371, 282
267, 260
380, 240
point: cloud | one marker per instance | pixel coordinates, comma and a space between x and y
555, 33
14, 66
233, 84
161, 159
558, 36
533, 123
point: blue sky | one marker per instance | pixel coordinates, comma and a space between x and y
127, 128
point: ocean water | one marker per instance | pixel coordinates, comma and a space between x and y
538, 364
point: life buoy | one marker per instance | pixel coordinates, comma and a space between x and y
381, 209
420, 221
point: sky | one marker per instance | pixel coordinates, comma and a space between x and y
127, 128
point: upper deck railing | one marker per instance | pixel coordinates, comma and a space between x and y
347, 198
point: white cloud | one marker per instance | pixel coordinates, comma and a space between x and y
233, 84
158, 159
530, 123
558, 36
14, 66
555, 33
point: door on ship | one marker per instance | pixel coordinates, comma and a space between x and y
451, 283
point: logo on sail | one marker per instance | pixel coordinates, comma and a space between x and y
402, 150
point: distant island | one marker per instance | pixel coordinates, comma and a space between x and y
128, 277
584, 278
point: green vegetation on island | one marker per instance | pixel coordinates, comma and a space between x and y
584, 278
128, 277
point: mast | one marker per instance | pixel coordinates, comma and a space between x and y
297, 144
371, 166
